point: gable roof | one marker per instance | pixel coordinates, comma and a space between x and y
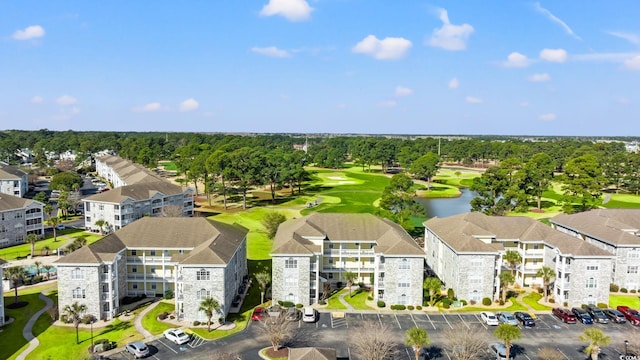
10, 202
130, 172
10, 172
614, 226
211, 242
462, 232
140, 191
293, 235
312, 353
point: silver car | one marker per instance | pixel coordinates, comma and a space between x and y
138, 349
507, 318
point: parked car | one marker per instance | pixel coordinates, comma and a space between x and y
501, 351
60, 227
309, 314
258, 313
177, 336
597, 314
630, 314
507, 318
138, 349
615, 316
489, 318
293, 314
525, 319
582, 315
565, 315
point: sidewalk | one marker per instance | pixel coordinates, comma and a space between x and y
27, 332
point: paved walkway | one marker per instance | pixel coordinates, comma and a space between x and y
344, 302
27, 331
137, 322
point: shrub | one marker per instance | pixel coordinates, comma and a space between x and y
472, 302
552, 300
565, 304
163, 316
322, 302
299, 306
287, 304
196, 323
501, 302
106, 344
369, 297
65, 319
614, 288
624, 290
381, 304
540, 291
410, 307
339, 284
168, 295
361, 284
602, 306
398, 307
486, 301
450, 294
418, 307
463, 302
446, 305
584, 306
87, 319
36, 279
633, 291
446, 301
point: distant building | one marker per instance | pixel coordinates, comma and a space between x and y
18, 218
320, 248
13, 181
120, 172
25, 155
195, 258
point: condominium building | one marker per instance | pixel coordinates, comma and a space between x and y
18, 218
13, 181
465, 251
320, 248
615, 230
195, 258
121, 172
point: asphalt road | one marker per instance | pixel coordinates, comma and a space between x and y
339, 333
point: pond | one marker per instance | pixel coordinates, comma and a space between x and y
443, 207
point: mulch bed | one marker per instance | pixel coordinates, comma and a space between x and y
282, 352
18, 305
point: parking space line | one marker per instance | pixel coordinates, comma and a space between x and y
525, 355
445, 319
414, 320
563, 354
430, 322
397, 321
167, 346
379, 319
464, 322
481, 322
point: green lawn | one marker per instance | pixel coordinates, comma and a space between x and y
531, 299
12, 252
515, 306
150, 320
358, 300
632, 300
334, 303
168, 165
241, 320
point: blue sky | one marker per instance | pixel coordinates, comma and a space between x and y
322, 66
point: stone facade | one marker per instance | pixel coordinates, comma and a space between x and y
19, 221
403, 278
82, 285
586, 281
291, 282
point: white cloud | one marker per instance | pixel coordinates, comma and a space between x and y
473, 100
387, 103
150, 107
389, 48
606, 57
556, 20
454, 83
66, 100
515, 59
189, 105
633, 63
30, 32
539, 77
632, 38
292, 10
271, 51
623, 101
554, 55
547, 117
36, 100
449, 36
403, 91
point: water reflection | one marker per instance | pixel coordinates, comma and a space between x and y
443, 207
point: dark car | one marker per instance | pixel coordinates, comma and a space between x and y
582, 315
615, 315
597, 314
525, 319
630, 314
565, 315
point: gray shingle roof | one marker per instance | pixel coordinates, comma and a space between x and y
312, 353
10, 202
212, 242
390, 238
11, 172
608, 225
461, 233
130, 172
140, 191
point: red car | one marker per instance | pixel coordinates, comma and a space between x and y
565, 315
631, 314
258, 313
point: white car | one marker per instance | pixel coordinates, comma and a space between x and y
489, 318
177, 336
309, 314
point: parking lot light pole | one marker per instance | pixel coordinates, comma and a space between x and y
626, 344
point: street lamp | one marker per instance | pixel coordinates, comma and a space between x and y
626, 344
93, 318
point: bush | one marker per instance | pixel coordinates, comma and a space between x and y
322, 302
552, 300
624, 290
501, 302
381, 304
614, 288
163, 316
65, 319
398, 307
87, 319
602, 306
633, 291
299, 306
361, 284
450, 294
196, 323
369, 297
446, 305
472, 302
339, 284
565, 304
486, 301
410, 307
286, 304
418, 307
463, 302
540, 291
446, 301
36, 279
168, 295
106, 344
584, 306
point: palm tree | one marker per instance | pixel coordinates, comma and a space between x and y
417, 338
15, 274
546, 273
350, 277
48, 268
37, 264
506, 278
263, 278
596, 338
46, 250
75, 312
433, 285
48, 209
53, 221
209, 305
507, 333
514, 258
100, 223
32, 239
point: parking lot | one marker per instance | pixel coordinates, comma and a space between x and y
163, 349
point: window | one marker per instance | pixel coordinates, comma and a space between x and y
291, 283
404, 284
77, 274
203, 274
134, 286
475, 280
402, 299
134, 269
18, 215
152, 253
591, 283
633, 254
632, 269
100, 207
153, 286
134, 253
592, 267
203, 294
87, 206
116, 207
291, 263
78, 293
404, 264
